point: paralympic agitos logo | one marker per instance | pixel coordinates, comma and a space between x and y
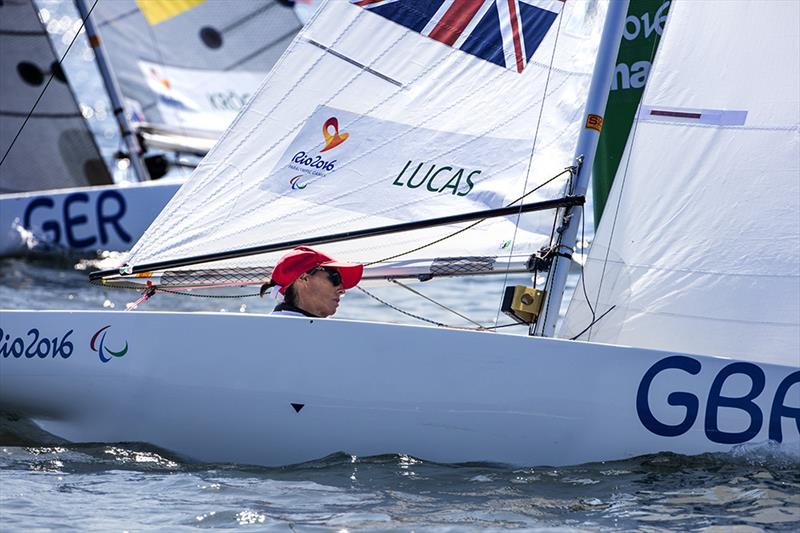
102, 350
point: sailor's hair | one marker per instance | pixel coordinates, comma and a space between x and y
289, 295
266, 286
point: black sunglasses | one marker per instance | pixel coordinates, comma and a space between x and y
333, 275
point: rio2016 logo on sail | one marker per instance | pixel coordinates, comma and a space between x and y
316, 165
33, 344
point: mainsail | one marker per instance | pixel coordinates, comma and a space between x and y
189, 67
699, 248
375, 117
55, 149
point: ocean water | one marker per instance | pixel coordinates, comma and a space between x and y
134, 488
46, 484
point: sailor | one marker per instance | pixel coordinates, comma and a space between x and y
311, 283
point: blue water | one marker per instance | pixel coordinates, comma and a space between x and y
134, 488
46, 484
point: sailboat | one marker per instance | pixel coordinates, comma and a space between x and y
55, 188
198, 65
434, 133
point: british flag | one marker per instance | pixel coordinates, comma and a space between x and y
505, 32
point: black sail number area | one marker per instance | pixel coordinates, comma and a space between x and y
35, 345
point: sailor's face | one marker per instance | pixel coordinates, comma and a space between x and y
320, 292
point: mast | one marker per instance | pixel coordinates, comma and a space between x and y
128, 137
584, 156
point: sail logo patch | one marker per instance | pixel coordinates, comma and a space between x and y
315, 165
102, 350
332, 140
503, 32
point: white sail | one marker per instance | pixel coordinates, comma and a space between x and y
366, 123
193, 64
52, 145
699, 247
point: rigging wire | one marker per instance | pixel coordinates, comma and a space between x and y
46, 85
533, 150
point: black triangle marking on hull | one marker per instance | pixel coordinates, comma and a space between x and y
297, 406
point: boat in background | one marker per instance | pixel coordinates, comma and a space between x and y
366, 143
186, 69
56, 191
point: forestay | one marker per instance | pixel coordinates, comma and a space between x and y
366, 122
699, 247
55, 149
193, 64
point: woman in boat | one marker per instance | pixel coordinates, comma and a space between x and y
311, 283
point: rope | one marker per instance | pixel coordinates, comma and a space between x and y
593, 323
412, 315
480, 326
583, 278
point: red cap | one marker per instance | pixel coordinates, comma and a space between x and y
302, 259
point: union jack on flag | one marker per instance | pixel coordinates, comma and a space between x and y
505, 32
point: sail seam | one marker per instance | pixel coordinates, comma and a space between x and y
704, 272
721, 126
711, 318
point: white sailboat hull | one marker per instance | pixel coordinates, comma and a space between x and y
84, 219
221, 388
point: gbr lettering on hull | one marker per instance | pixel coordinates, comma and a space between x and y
717, 400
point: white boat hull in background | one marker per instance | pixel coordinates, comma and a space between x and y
85, 219
271, 390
